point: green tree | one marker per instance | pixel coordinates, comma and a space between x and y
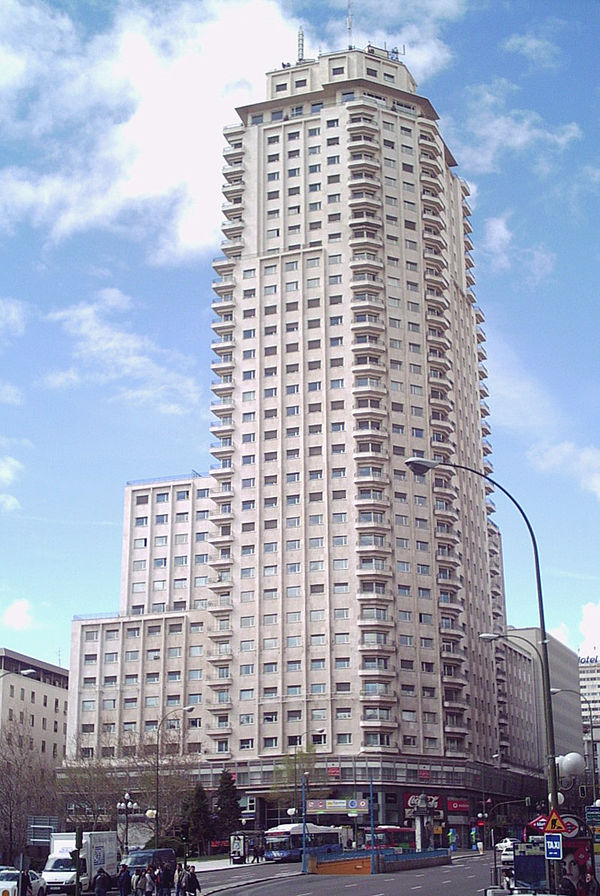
286, 788
228, 806
196, 813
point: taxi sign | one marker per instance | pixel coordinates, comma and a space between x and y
555, 824
553, 846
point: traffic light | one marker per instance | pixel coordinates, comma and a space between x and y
74, 856
185, 830
528, 801
582, 791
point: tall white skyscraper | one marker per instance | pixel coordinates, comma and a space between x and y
348, 338
333, 600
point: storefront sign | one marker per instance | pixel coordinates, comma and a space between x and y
460, 807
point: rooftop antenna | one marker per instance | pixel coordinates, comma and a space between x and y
349, 24
300, 44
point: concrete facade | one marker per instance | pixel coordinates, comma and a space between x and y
33, 706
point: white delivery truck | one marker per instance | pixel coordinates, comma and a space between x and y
98, 850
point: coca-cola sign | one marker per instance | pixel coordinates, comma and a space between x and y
412, 800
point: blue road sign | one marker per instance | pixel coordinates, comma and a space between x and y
553, 846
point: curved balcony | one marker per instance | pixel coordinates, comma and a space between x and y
369, 597
438, 378
232, 228
222, 387
431, 168
362, 161
220, 606
454, 606
232, 209
233, 172
365, 280
448, 558
385, 697
373, 500
365, 302
438, 340
369, 624
223, 345
364, 142
364, 179
433, 198
367, 323
368, 125
233, 190
370, 220
221, 326
220, 428
217, 450
449, 582
366, 239
223, 304
224, 406
233, 153
225, 284
433, 237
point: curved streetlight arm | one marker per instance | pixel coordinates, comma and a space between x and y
423, 465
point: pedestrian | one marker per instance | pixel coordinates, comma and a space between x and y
261, 850
101, 882
190, 881
124, 881
26, 888
149, 881
255, 852
166, 879
140, 882
179, 875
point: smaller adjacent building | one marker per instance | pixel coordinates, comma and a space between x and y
564, 677
33, 703
589, 689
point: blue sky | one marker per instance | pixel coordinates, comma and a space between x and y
111, 117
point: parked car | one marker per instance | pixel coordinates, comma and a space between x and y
9, 883
506, 842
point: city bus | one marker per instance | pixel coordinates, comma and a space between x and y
284, 842
391, 836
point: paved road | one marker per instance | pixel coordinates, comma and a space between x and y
467, 876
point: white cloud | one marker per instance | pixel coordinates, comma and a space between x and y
493, 129
538, 50
10, 468
12, 318
579, 463
10, 394
18, 616
499, 249
121, 131
104, 353
8, 503
519, 402
143, 131
497, 239
590, 630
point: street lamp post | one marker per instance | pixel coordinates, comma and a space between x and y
157, 781
554, 691
127, 806
422, 465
